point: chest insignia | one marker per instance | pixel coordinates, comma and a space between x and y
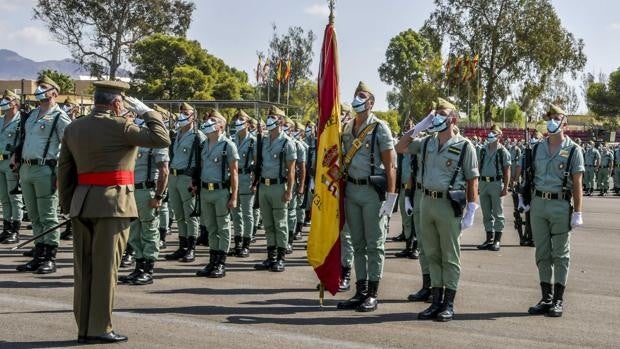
561, 166
449, 163
564, 153
454, 150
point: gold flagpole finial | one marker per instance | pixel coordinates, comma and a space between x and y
332, 4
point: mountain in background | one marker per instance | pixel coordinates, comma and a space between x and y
15, 67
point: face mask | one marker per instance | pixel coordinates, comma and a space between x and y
139, 122
239, 126
5, 104
67, 108
209, 127
285, 128
308, 130
491, 138
553, 126
271, 124
183, 120
359, 104
533, 141
40, 92
439, 123
297, 134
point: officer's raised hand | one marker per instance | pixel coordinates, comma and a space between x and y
136, 106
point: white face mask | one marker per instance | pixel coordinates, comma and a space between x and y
308, 130
297, 134
271, 124
183, 120
359, 104
239, 126
5, 104
491, 138
40, 92
553, 126
139, 122
209, 127
439, 123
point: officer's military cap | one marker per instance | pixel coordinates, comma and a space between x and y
111, 86
554, 109
345, 107
241, 114
273, 110
444, 104
71, 101
8, 94
185, 106
46, 80
363, 87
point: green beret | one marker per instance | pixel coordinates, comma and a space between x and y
186, 106
444, 104
273, 110
363, 87
345, 107
46, 80
8, 94
111, 86
71, 100
554, 109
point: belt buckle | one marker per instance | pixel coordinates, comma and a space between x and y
1, 157
434, 194
267, 181
210, 187
546, 195
27, 162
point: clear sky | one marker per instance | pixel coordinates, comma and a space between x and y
235, 29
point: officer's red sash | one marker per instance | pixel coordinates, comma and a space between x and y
106, 178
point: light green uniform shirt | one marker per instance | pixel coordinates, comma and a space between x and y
213, 157
405, 168
246, 156
515, 155
38, 129
591, 156
607, 158
142, 163
440, 163
549, 168
276, 153
182, 148
491, 165
360, 166
9, 138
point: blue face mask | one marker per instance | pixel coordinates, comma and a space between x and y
5, 104
491, 138
139, 122
40, 92
359, 104
439, 123
553, 126
209, 127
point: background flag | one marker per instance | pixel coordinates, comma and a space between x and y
259, 71
279, 71
327, 202
287, 71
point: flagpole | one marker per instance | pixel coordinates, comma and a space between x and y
279, 91
288, 90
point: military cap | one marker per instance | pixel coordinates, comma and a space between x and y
591, 142
71, 100
273, 110
363, 87
241, 114
186, 106
46, 80
288, 121
554, 109
444, 104
345, 107
217, 115
299, 126
310, 123
161, 109
111, 86
252, 121
495, 129
8, 94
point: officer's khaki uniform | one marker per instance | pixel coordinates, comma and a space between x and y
9, 141
101, 215
551, 218
491, 168
440, 230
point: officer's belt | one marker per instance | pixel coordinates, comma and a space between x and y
5, 156
40, 162
552, 196
490, 179
175, 172
145, 185
214, 186
107, 178
435, 194
272, 181
361, 181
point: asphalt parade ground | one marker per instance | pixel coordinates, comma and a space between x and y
261, 309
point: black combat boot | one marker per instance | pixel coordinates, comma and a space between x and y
162, 238
487, 243
496, 241
370, 303
237, 249
424, 293
180, 252
203, 238
545, 302
37, 258
415, 253
400, 237
48, 266
361, 291
213, 260
267, 263
6, 228
146, 273
345, 279
278, 266
129, 278
298, 227
67, 235
254, 230
558, 299
432, 311
128, 260
289, 246
447, 308
408, 251
190, 252
29, 253
219, 271
14, 233
245, 248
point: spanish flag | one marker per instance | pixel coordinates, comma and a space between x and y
287, 71
328, 199
279, 71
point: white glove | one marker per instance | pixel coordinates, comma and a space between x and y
576, 220
468, 218
522, 207
136, 106
408, 207
388, 205
422, 125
